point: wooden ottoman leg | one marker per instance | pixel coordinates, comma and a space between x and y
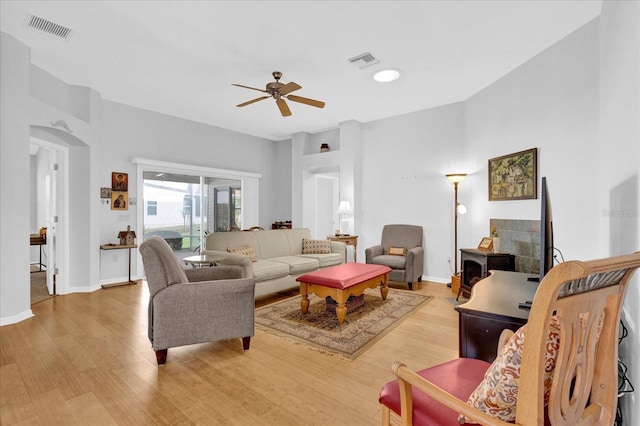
341, 312
304, 298
384, 288
341, 298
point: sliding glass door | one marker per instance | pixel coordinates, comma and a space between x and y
183, 208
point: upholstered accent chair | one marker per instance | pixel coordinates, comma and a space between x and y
564, 373
188, 306
401, 250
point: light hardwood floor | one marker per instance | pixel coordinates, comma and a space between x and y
85, 359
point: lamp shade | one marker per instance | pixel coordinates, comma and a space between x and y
456, 177
344, 208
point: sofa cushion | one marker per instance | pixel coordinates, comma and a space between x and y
325, 260
245, 250
316, 246
393, 262
298, 264
264, 269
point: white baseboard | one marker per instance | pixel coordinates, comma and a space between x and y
16, 318
437, 279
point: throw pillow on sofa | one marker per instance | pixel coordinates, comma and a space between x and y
316, 246
245, 250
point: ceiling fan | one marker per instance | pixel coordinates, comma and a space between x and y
280, 92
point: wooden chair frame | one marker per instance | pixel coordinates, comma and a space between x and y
584, 388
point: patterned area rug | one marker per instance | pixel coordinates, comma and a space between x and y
321, 330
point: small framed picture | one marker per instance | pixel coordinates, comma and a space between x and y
119, 181
486, 244
119, 200
105, 192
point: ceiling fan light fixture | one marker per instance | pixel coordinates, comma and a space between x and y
386, 76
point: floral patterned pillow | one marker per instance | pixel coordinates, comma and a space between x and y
245, 250
497, 394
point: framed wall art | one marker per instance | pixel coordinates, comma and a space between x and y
119, 200
514, 176
119, 181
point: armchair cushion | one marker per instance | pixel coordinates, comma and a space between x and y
458, 377
245, 250
316, 246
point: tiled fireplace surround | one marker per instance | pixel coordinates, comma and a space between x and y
522, 239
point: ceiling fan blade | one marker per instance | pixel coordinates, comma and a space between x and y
249, 87
289, 87
253, 100
312, 102
284, 108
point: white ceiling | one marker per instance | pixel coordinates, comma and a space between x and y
180, 57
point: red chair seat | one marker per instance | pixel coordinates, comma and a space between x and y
459, 377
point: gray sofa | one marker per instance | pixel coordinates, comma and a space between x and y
279, 256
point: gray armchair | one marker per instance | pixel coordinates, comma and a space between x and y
407, 266
188, 306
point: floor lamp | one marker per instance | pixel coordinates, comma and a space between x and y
456, 178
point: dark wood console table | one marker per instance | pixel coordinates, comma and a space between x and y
38, 240
492, 308
476, 264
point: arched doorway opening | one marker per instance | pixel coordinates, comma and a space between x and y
60, 156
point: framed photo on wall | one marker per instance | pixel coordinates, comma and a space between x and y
119, 181
119, 200
514, 176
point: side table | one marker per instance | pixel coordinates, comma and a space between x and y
350, 240
117, 247
201, 260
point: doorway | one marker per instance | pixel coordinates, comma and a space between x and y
46, 161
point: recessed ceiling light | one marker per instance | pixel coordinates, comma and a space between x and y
386, 76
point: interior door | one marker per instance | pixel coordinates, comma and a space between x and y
52, 191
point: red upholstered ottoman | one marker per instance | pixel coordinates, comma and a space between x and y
340, 282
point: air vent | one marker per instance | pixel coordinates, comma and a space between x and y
364, 60
41, 24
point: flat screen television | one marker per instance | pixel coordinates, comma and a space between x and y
546, 230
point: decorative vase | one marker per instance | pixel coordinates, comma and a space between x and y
496, 244
324, 147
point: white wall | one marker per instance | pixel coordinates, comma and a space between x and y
550, 102
14, 180
618, 165
404, 160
